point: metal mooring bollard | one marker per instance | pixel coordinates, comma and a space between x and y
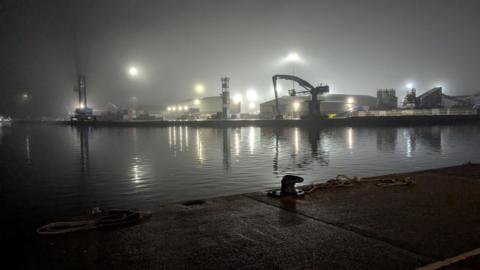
288, 187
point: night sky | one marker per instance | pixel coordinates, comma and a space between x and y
355, 46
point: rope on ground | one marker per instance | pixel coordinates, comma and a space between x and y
340, 181
98, 218
389, 182
345, 181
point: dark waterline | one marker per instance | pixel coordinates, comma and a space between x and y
50, 170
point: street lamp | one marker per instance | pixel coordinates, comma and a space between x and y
133, 71
199, 88
237, 98
293, 57
296, 106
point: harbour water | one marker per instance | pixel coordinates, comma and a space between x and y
50, 171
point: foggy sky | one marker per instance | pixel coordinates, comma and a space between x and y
355, 46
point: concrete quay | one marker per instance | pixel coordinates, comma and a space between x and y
360, 227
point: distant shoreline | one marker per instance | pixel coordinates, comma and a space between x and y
365, 121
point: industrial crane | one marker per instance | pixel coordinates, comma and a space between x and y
83, 112
313, 104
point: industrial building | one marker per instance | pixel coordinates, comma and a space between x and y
294, 107
472, 99
435, 98
386, 99
148, 112
201, 108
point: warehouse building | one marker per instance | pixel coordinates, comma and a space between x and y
201, 108
294, 107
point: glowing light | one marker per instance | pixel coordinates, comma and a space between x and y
237, 98
179, 108
196, 102
181, 139
81, 106
296, 141
251, 106
237, 143
27, 147
133, 71
410, 85
296, 106
200, 156
174, 108
279, 89
442, 85
25, 96
199, 88
252, 95
169, 109
175, 138
170, 136
251, 140
350, 138
350, 100
185, 108
293, 57
137, 170
409, 143
350, 107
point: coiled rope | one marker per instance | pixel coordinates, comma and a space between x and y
98, 218
345, 181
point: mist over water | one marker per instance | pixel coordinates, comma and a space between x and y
355, 46
52, 170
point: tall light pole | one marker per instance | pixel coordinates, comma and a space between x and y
25, 98
134, 110
292, 58
133, 73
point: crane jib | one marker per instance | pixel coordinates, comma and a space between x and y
314, 105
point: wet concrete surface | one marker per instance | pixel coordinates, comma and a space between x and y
360, 227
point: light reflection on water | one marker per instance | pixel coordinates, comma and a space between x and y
71, 168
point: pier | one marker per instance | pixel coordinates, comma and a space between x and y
433, 223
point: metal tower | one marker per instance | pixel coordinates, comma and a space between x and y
225, 94
82, 92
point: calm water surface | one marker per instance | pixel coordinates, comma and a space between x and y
51, 170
